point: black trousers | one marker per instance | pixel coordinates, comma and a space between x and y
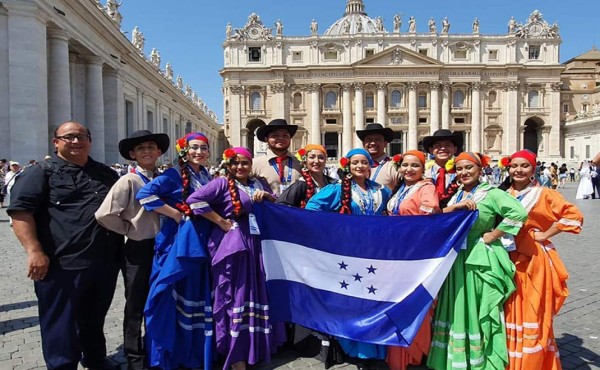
136, 267
72, 307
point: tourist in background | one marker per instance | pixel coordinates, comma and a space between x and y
562, 175
585, 190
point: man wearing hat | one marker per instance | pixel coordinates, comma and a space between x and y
122, 213
443, 145
72, 260
375, 139
278, 167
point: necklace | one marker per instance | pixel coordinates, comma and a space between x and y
366, 201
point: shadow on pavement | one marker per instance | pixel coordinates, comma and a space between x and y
18, 324
574, 355
17, 306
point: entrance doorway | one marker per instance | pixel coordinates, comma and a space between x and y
532, 135
252, 126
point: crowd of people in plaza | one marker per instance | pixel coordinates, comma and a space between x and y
187, 243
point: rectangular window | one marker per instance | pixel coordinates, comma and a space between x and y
493, 54
369, 101
297, 56
369, 53
587, 151
460, 55
150, 120
423, 51
534, 52
572, 152
459, 120
165, 128
370, 120
565, 108
129, 117
330, 55
254, 54
422, 120
584, 108
422, 101
331, 121
331, 144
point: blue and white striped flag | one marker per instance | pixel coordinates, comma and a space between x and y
366, 278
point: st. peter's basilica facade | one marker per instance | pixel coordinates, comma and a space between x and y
501, 91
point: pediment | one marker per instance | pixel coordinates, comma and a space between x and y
397, 56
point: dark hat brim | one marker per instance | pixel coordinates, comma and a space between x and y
388, 134
456, 138
263, 131
126, 145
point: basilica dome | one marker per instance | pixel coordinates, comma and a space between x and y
355, 21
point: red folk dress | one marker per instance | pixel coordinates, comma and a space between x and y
540, 279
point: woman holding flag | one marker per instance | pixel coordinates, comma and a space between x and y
356, 195
243, 332
414, 196
540, 276
468, 330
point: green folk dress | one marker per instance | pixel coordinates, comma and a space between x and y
468, 324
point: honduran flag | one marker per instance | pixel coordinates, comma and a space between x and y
366, 278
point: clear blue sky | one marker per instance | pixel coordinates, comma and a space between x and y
189, 33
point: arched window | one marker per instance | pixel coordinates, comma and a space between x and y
226, 105
369, 100
459, 99
255, 103
297, 100
396, 99
330, 100
533, 99
492, 97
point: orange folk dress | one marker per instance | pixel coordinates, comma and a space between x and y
420, 199
540, 279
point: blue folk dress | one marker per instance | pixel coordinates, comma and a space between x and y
373, 202
178, 311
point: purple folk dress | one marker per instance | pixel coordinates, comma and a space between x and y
243, 330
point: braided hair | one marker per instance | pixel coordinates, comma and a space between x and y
235, 195
346, 195
185, 191
310, 187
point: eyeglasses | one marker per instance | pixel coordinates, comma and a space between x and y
202, 148
71, 137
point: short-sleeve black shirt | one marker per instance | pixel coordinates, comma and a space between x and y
63, 200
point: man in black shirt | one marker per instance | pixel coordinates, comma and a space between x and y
72, 260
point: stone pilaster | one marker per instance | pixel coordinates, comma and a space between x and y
446, 87
347, 131
359, 111
475, 117
59, 81
94, 106
413, 116
381, 109
511, 118
235, 124
114, 114
315, 113
435, 106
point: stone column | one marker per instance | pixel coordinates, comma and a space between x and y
139, 112
381, 109
27, 126
435, 106
347, 132
114, 114
511, 118
475, 117
278, 107
359, 112
315, 114
555, 106
4, 80
59, 81
446, 86
235, 124
413, 116
94, 106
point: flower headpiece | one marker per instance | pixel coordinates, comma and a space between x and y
301, 155
231, 153
450, 166
228, 155
345, 164
504, 162
397, 160
182, 144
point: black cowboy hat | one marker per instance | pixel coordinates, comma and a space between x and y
141, 136
376, 128
276, 124
455, 137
